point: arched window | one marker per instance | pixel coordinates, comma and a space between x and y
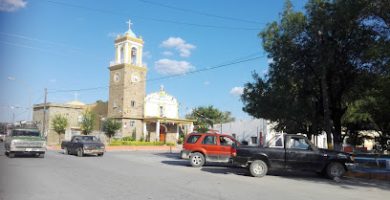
133, 55
122, 55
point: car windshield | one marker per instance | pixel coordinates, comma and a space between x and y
89, 139
33, 133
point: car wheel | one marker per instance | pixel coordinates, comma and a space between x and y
66, 152
335, 170
42, 155
258, 168
80, 152
100, 154
11, 155
197, 159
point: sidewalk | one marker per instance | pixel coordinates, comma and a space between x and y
173, 149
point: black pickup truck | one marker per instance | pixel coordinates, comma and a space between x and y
291, 152
82, 145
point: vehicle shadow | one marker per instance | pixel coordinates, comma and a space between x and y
85, 155
22, 156
175, 156
344, 182
220, 168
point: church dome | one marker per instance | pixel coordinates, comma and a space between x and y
76, 103
130, 33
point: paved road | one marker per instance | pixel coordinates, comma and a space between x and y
148, 175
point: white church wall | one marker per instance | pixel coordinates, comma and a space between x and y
160, 104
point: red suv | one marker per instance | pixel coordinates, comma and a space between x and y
208, 147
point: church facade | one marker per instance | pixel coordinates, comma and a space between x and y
154, 117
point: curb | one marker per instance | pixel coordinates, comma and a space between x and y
129, 148
367, 175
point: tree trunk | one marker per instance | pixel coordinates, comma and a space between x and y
325, 99
337, 139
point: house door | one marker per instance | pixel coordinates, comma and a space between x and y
163, 133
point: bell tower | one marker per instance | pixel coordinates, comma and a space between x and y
127, 84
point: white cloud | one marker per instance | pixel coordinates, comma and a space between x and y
237, 91
179, 44
112, 34
12, 5
172, 67
206, 83
146, 54
167, 53
53, 80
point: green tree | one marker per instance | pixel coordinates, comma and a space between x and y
110, 126
322, 61
59, 124
87, 122
377, 105
207, 116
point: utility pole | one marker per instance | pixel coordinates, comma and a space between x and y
44, 114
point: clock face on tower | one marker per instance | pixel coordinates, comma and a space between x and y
135, 78
117, 77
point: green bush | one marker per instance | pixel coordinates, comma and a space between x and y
128, 138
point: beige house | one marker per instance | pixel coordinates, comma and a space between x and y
153, 118
73, 111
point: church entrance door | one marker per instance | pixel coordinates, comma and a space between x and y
163, 134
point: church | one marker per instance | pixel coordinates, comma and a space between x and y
152, 117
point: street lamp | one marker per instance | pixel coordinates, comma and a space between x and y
12, 78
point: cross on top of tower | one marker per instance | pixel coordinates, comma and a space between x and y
129, 23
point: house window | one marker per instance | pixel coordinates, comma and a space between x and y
133, 104
132, 123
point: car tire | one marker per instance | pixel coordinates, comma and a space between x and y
197, 159
80, 152
42, 155
11, 155
100, 154
335, 170
66, 151
258, 168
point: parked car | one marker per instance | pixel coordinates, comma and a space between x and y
291, 152
2, 136
25, 141
83, 145
201, 148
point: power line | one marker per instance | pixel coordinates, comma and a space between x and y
233, 62
152, 19
200, 13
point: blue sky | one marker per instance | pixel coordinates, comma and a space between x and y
66, 45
